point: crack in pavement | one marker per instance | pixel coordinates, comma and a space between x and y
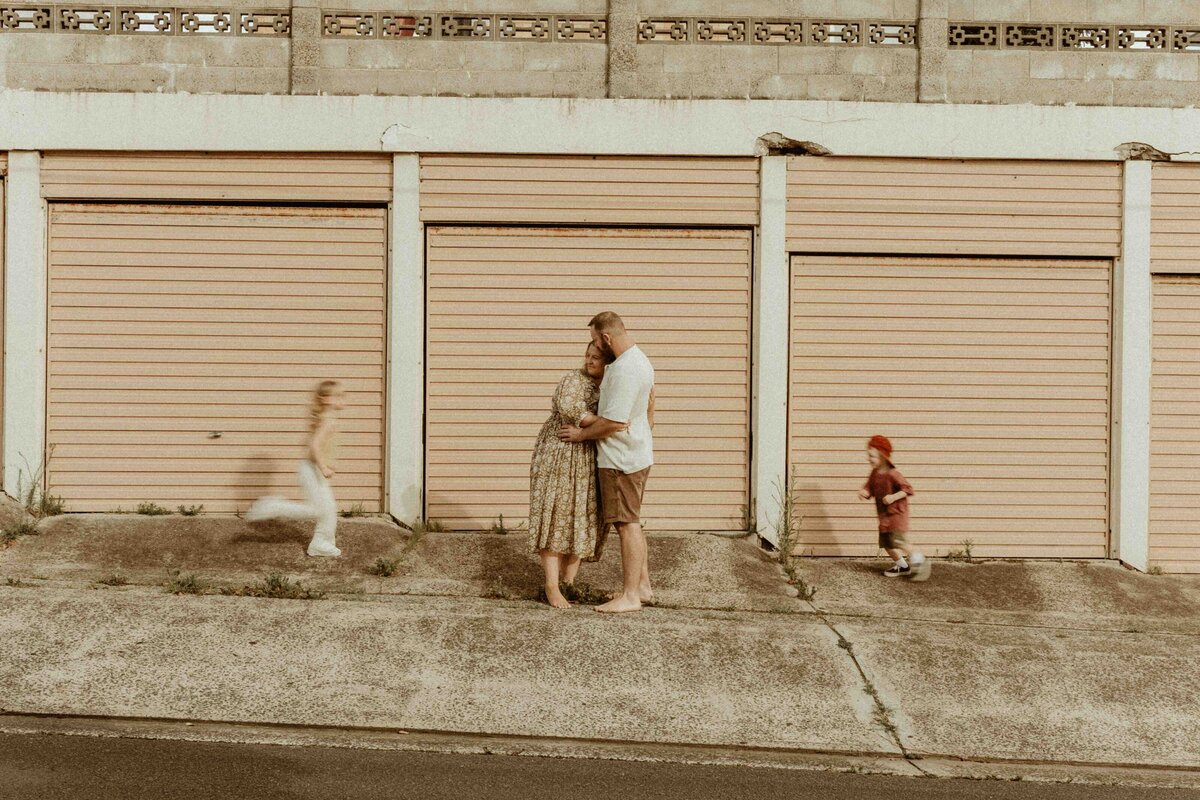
883, 714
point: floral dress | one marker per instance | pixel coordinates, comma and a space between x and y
563, 494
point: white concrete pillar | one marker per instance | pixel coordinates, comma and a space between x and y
24, 320
1131, 375
406, 344
772, 308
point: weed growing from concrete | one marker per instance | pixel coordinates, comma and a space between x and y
582, 593
500, 529
384, 567
191, 511
152, 510
423, 526
16, 583
498, 590
37, 503
115, 579
787, 526
965, 554
278, 586
178, 583
387, 567
356, 510
10, 535
1155, 570
882, 714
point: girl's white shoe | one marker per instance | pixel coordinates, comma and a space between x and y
325, 552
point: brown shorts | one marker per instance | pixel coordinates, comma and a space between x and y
893, 540
621, 495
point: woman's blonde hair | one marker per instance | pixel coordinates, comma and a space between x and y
317, 409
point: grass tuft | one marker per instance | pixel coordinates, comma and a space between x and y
384, 567
423, 526
191, 511
178, 583
11, 534
500, 529
498, 590
33, 496
582, 593
114, 580
1155, 570
965, 554
152, 510
356, 510
275, 585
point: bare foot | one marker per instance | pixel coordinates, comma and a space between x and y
646, 594
619, 605
555, 598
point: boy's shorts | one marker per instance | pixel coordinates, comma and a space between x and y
621, 495
893, 540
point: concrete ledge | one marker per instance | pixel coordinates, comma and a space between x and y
434, 664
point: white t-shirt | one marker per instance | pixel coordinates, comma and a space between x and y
625, 397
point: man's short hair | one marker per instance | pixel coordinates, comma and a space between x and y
607, 322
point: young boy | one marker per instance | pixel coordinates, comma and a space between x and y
891, 491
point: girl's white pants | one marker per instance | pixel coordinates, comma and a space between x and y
320, 506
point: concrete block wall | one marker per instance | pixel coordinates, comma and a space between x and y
308, 62
887, 74
1080, 77
144, 63
408, 66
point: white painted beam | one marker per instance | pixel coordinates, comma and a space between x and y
127, 121
1131, 375
772, 308
406, 345
24, 320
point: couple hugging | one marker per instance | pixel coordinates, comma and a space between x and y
597, 441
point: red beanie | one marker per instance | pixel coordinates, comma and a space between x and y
881, 444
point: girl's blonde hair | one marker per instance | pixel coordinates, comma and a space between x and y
324, 389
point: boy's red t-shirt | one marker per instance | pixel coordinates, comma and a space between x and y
893, 518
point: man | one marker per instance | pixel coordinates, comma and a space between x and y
625, 452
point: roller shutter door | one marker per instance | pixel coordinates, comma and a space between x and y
991, 377
172, 324
507, 317
1175, 425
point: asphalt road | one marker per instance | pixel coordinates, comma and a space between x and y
33, 767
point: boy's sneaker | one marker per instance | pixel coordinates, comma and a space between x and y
896, 571
921, 571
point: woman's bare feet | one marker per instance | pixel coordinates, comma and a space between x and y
555, 598
645, 595
620, 604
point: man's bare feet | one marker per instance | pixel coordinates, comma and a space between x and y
646, 594
555, 599
620, 605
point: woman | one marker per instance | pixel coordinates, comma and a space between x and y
564, 519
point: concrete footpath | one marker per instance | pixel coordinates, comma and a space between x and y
1022, 668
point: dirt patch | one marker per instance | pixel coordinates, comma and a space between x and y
93, 546
1121, 591
757, 572
991, 586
